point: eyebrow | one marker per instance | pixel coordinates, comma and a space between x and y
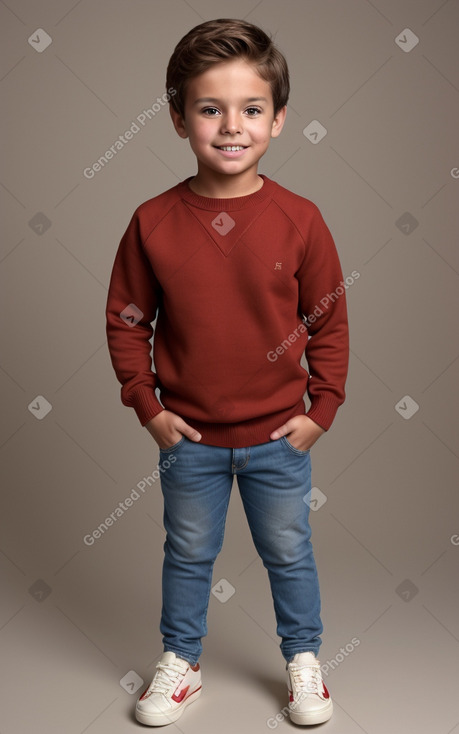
217, 101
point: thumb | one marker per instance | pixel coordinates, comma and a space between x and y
281, 431
188, 431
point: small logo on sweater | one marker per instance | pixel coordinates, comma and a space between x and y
131, 315
278, 266
223, 223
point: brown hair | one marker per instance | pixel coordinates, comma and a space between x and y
221, 40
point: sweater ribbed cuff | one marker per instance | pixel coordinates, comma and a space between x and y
145, 404
323, 410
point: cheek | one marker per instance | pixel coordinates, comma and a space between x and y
203, 132
261, 134
262, 139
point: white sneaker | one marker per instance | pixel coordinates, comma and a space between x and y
310, 702
174, 686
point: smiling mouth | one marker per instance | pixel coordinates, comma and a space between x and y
231, 147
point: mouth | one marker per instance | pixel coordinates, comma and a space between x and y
231, 148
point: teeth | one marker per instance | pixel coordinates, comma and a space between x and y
231, 147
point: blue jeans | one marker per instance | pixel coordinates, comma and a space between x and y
273, 479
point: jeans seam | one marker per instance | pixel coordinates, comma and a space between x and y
235, 468
219, 547
174, 446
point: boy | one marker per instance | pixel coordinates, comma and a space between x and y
234, 267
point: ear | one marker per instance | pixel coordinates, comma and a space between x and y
278, 122
178, 121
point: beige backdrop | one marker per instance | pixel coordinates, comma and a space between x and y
79, 621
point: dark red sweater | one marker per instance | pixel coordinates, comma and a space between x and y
231, 283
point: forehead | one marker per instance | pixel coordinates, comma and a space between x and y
236, 79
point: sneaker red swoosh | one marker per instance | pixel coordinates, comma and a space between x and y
178, 698
143, 696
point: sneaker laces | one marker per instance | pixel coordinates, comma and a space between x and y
167, 675
306, 679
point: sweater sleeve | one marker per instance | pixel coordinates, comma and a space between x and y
132, 303
323, 304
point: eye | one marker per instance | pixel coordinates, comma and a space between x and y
253, 111
209, 111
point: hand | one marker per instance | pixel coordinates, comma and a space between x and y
301, 432
167, 429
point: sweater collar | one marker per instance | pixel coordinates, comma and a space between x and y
232, 204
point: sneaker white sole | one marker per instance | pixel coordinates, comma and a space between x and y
309, 718
158, 718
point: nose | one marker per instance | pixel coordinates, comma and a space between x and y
231, 123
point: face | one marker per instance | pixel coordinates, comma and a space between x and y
229, 118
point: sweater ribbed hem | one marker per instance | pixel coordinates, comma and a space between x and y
246, 433
238, 435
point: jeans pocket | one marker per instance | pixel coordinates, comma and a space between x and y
292, 449
174, 446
